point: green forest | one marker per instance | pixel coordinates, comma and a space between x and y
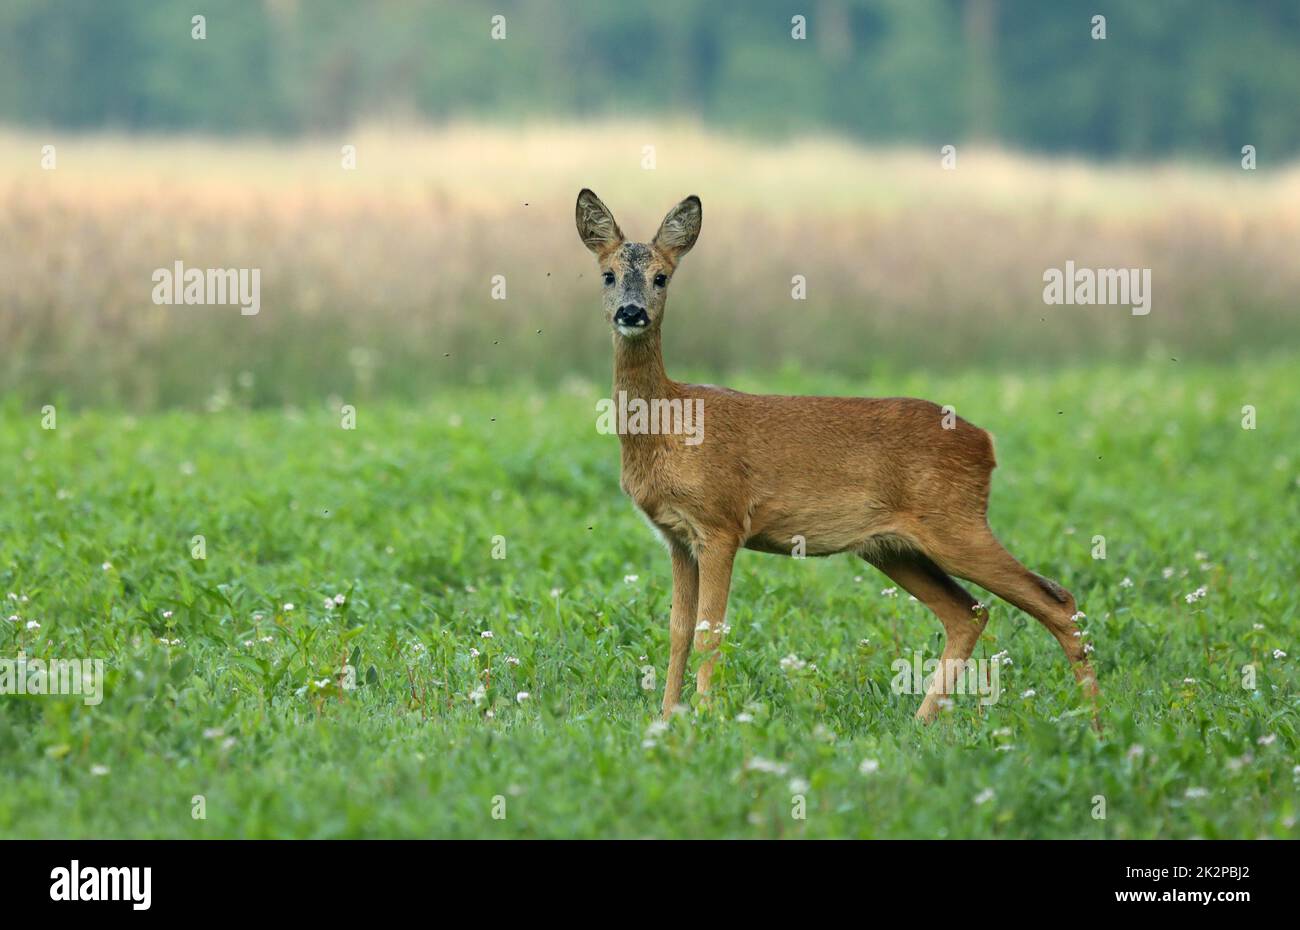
1187, 77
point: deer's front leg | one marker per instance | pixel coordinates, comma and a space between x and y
715, 561
686, 581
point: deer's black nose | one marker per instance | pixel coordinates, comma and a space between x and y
631, 315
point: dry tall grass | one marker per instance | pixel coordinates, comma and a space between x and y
378, 280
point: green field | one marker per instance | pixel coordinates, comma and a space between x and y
399, 515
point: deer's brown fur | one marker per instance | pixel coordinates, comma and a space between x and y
890, 479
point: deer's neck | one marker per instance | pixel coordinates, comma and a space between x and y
639, 368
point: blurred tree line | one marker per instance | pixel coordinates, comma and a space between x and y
1189, 76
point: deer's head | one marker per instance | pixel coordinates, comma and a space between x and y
635, 275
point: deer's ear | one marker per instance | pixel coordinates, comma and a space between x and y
596, 224
680, 228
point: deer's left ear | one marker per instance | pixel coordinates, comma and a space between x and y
680, 228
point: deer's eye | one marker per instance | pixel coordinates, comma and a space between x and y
661, 279
609, 277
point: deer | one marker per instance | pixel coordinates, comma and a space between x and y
899, 482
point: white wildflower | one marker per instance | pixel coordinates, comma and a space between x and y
759, 764
792, 663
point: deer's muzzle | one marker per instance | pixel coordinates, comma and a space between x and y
630, 316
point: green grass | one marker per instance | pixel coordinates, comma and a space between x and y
399, 515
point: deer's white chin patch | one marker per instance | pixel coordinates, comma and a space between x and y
630, 332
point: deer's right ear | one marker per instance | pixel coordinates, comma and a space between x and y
596, 224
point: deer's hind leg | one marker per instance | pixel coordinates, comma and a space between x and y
980, 558
962, 616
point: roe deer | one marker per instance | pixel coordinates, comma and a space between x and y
891, 480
